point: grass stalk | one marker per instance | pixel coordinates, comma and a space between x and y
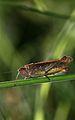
31, 81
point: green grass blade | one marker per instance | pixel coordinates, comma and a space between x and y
31, 81
22, 6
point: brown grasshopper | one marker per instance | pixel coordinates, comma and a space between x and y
45, 68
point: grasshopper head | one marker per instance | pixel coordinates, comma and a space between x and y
21, 71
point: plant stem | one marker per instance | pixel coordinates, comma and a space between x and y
22, 6
30, 81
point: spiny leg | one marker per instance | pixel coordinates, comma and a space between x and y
62, 70
57, 71
56, 65
47, 77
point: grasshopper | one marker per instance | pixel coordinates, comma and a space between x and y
45, 68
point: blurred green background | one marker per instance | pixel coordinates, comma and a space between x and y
31, 31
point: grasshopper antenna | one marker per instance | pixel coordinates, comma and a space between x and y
17, 76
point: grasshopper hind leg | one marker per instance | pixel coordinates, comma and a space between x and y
47, 77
